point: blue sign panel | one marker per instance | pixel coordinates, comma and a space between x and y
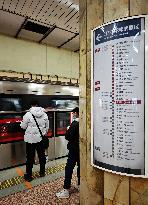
117, 30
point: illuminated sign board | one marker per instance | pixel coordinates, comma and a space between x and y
119, 136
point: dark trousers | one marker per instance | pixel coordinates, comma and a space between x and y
73, 158
30, 155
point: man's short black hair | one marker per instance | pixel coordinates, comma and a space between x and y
34, 103
76, 109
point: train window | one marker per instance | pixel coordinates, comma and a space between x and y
10, 104
10, 129
63, 121
65, 104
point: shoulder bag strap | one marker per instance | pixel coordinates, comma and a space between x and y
37, 125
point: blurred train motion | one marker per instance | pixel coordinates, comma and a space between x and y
15, 98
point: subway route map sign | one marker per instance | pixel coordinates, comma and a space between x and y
119, 142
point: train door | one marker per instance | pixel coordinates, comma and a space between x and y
62, 122
12, 146
50, 151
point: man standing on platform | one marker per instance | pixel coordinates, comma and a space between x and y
33, 137
72, 135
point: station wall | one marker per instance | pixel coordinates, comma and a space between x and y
25, 56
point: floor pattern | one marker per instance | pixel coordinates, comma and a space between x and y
19, 179
43, 195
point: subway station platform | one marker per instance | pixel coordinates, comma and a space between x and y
14, 190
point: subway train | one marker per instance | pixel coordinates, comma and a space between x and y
15, 98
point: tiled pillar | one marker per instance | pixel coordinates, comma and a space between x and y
91, 189
98, 187
82, 102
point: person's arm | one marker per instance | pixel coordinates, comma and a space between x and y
24, 122
70, 133
47, 125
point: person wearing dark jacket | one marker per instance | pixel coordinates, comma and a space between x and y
72, 135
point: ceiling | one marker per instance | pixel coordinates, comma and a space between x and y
51, 22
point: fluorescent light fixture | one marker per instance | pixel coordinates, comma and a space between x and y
72, 90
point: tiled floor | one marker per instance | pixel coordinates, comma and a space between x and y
40, 191
43, 195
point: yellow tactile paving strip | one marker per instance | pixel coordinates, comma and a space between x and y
20, 179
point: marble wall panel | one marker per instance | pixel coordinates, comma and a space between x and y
138, 191
122, 197
82, 79
88, 196
109, 202
110, 185
83, 161
88, 85
115, 9
95, 178
138, 7
94, 18
83, 192
82, 103
94, 199
113, 188
82, 27
83, 139
134, 196
143, 200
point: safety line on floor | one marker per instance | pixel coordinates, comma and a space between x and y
21, 173
20, 179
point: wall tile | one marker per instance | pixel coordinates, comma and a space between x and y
110, 185
94, 199
139, 185
82, 87
95, 178
82, 25
138, 7
122, 197
83, 192
138, 191
82, 117
83, 139
114, 186
89, 70
108, 202
83, 162
115, 9
88, 196
134, 196
94, 18
142, 200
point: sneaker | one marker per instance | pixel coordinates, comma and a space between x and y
27, 178
46, 158
63, 194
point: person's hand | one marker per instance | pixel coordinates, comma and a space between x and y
68, 127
